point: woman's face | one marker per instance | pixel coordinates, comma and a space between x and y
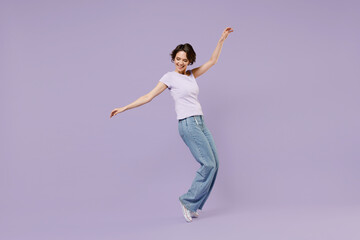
181, 61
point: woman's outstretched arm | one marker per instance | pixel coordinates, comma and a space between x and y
160, 87
215, 56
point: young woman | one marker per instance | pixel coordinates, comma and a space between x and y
191, 124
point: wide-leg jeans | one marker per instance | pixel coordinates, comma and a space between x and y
198, 138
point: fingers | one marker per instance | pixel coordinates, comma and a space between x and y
226, 32
228, 29
113, 113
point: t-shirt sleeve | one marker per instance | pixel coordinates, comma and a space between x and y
166, 80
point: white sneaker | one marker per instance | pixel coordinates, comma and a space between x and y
194, 214
186, 213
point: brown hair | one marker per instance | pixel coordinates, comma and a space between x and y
190, 53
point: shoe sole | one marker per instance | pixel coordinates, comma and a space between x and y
194, 215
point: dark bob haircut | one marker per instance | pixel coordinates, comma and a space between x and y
190, 53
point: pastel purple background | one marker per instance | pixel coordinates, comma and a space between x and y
282, 104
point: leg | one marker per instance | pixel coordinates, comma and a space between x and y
213, 147
191, 131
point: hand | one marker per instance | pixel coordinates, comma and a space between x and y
226, 33
116, 111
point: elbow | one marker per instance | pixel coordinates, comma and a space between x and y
147, 98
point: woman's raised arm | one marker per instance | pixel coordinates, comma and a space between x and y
215, 56
159, 88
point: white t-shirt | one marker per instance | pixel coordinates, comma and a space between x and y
184, 91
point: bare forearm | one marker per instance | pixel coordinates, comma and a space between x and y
215, 56
138, 102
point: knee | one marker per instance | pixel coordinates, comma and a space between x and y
212, 166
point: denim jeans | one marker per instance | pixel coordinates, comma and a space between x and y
198, 138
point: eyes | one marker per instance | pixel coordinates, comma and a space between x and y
185, 60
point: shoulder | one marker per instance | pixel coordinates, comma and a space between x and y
167, 74
167, 78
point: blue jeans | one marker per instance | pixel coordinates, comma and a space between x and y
198, 138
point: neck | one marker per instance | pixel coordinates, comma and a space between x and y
181, 72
